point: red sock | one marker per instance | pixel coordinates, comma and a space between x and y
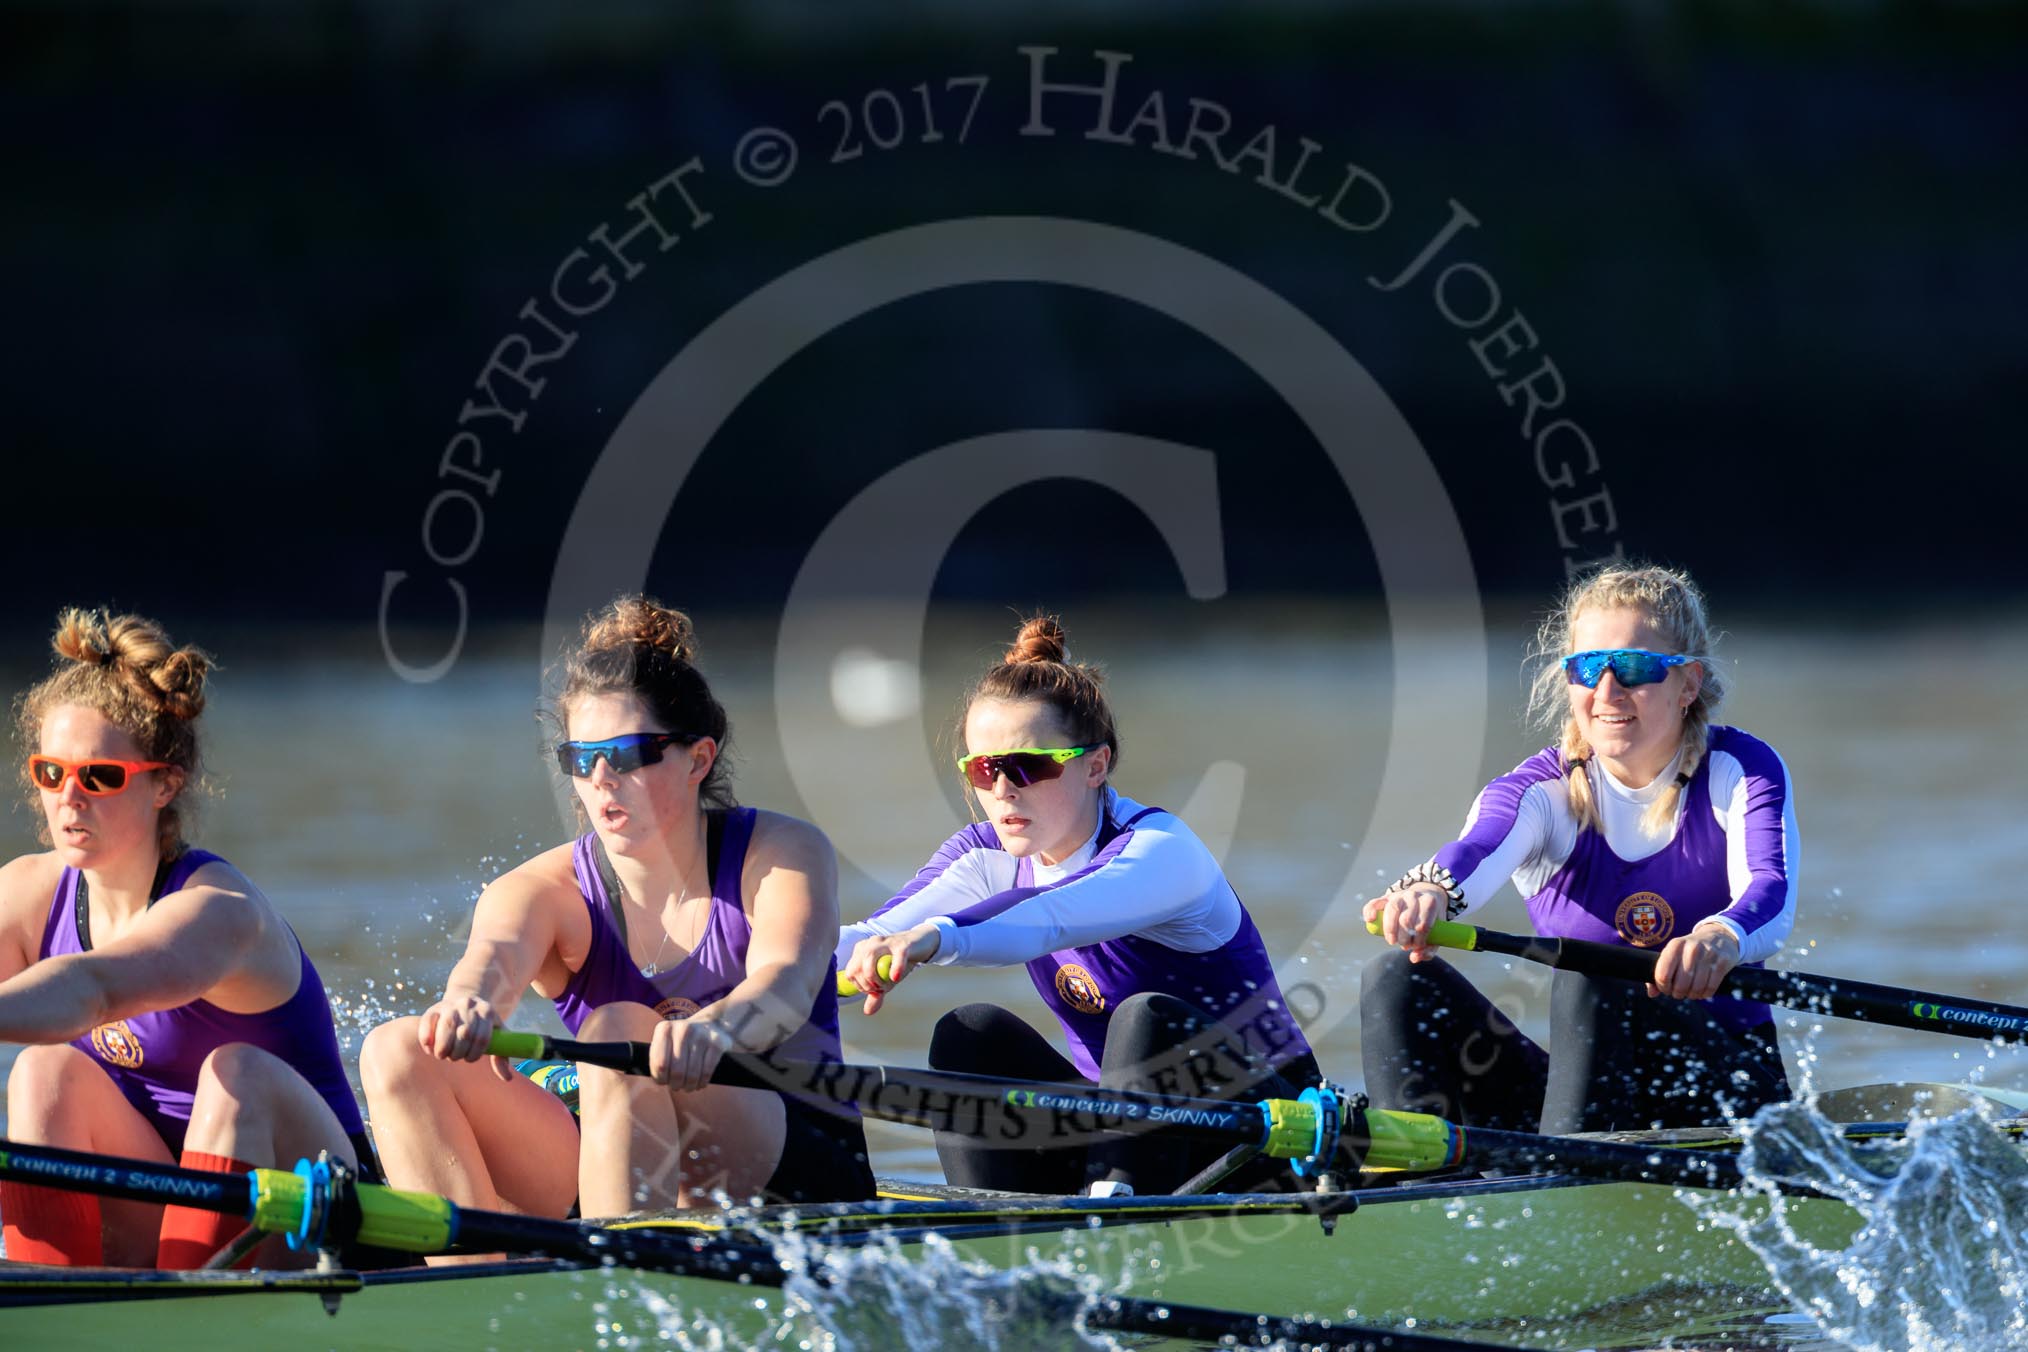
50, 1225
190, 1236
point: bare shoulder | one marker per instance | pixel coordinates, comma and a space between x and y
26, 886
791, 875
782, 840
216, 873
230, 893
549, 877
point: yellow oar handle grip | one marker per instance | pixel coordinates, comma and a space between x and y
847, 987
1414, 1141
278, 1197
525, 1046
1291, 1129
411, 1222
1443, 934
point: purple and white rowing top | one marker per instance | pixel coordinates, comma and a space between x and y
155, 1058
708, 973
1141, 906
1729, 856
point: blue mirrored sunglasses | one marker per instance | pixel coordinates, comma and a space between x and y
626, 753
1629, 666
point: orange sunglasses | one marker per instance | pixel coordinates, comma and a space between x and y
99, 778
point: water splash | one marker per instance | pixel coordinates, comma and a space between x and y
1940, 1258
872, 1298
933, 1300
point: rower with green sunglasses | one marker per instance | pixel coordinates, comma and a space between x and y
1645, 825
1134, 939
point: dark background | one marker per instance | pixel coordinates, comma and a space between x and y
257, 253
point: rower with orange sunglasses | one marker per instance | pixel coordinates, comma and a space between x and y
1132, 935
167, 1008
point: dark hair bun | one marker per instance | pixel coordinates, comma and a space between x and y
641, 622
1040, 640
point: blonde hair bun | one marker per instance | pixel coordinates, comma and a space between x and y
140, 654
126, 669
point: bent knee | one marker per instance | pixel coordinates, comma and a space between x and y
627, 1020
1164, 1009
41, 1073
966, 1035
243, 1070
391, 1056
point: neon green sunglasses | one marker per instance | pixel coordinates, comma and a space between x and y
1022, 766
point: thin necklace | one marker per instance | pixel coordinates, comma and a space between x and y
663, 947
616, 896
682, 897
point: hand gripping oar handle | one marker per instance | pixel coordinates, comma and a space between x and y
847, 987
1813, 994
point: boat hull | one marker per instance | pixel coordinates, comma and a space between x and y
1473, 1251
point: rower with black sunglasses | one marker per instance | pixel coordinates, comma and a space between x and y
1644, 826
1132, 935
170, 1012
679, 919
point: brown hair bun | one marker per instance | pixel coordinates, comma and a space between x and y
1035, 669
1039, 640
641, 622
638, 646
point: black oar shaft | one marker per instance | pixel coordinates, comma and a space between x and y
132, 1180
1234, 1328
1882, 1004
973, 1104
1837, 996
387, 1217
1601, 1159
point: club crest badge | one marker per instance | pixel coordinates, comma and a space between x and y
117, 1045
1079, 989
677, 1007
1645, 920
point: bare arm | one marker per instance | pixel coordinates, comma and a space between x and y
793, 874
184, 947
521, 920
26, 886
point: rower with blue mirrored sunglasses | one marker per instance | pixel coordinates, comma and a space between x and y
625, 753
1629, 666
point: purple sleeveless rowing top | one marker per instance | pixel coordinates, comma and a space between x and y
708, 973
1083, 986
154, 1058
1599, 896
